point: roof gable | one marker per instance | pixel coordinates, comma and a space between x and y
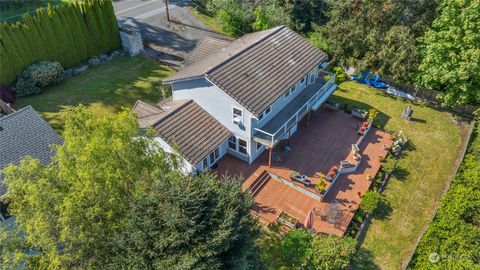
186, 125
258, 70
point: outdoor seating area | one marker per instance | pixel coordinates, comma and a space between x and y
309, 180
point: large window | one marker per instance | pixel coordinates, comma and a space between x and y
237, 116
232, 143
214, 156
242, 146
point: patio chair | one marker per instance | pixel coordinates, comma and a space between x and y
301, 178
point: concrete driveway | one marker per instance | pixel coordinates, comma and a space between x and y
167, 41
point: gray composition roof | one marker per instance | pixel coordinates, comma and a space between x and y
258, 68
25, 133
207, 46
185, 124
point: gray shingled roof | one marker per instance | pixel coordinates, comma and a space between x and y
199, 68
207, 46
25, 133
258, 68
185, 124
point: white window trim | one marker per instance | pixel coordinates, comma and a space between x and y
233, 115
210, 163
238, 146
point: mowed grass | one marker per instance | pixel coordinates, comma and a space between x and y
416, 186
104, 89
201, 14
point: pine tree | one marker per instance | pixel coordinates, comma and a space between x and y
114, 34
9, 64
37, 43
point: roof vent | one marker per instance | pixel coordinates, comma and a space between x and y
291, 62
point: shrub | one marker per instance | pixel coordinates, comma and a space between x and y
44, 73
341, 75
370, 201
25, 87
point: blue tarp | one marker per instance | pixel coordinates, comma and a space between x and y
370, 79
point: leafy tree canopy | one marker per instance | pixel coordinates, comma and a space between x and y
109, 191
451, 52
189, 223
70, 208
377, 35
331, 252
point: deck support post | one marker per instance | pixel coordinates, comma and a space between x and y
270, 157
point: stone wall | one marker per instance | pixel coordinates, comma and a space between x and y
131, 42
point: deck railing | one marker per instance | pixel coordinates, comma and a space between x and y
298, 115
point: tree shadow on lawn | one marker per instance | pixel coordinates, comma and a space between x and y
400, 173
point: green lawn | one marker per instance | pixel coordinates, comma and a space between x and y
105, 89
201, 14
417, 184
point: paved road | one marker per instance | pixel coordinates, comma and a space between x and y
171, 41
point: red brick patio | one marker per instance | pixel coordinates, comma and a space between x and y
316, 146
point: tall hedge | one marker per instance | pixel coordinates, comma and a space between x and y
69, 34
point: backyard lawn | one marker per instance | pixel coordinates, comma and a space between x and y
105, 89
417, 183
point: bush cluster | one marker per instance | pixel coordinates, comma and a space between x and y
69, 33
38, 76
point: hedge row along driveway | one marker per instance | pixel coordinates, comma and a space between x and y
69, 34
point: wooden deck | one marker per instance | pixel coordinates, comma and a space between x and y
316, 146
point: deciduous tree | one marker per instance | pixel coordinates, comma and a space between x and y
451, 52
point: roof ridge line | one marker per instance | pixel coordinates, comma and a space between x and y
243, 50
188, 101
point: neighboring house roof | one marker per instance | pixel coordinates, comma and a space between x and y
25, 133
184, 124
257, 68
207, 46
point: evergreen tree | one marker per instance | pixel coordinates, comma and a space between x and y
189, 222
34, 37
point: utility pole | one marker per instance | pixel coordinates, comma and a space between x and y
166, 7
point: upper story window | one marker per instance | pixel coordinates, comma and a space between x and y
265, 113
237, 116
268, 110
303, 80
289, 92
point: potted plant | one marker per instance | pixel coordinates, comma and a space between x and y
369, 176
321, 186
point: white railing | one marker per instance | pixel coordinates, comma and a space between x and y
279, 133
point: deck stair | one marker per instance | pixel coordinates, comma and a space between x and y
259, 183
